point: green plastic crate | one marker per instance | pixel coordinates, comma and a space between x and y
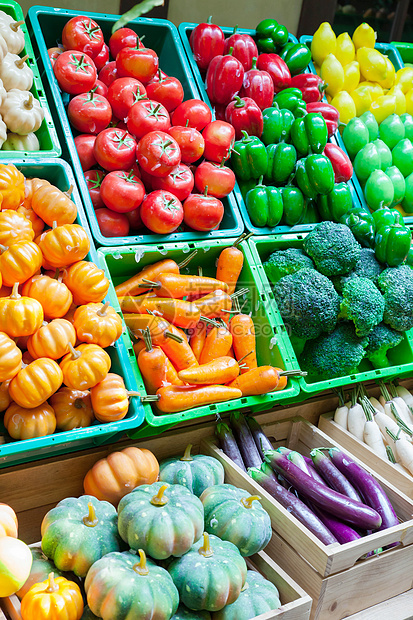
401, 356
60, 174
123, 262
405, 50
46, 25
49, 143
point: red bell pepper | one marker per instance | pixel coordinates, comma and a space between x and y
244, 46
312, 86
258, 85
328, 112
277, 68
207, 41
224, 78
244, 115
342, 166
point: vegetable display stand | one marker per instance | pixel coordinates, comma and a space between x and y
122, 263
60, 174
405, 50
163, 37
401, 357
47, 135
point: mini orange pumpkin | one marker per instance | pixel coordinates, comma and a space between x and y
110, 398
19, 316
12, 188
53, 205
36, 221
35, 383
10, 358
64, 245
30, 186
8, 521
73, 409
85, 366
53, 599
20, 261
14, 226
52, 339
29, 423
53, 295
5, 399
112, 478
87, 282
98, 324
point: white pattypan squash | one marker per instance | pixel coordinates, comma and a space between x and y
21, 112
12, 33
15, 72
14, 142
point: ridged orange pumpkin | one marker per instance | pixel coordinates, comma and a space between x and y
110, 398
52, 339
19, 316
10, 358
53, 295
5, 399
98, 324
20, 261
8, 521
34, 384
36, 221
73, 409
53, 205
30, 186
29, 423
64, 245
14, 226
85, 366
87, 282
119, 473
12, 188
53, 599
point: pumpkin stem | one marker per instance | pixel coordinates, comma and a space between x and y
3, 248
15, 291
78, 403
69, 191
244, 587
19, 63
16, 25
57, 274
91, 519
206, 550
75, 354
187, 454
141, 567
28, 104
131, 393
54, 225
159, 499
247, 501
52, 585
102, 310
44, 323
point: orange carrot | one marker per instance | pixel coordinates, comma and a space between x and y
174, 398
262, 380
178, 286
230, 264
180, 313
217, 344
197, 339
213, 304
243, 333
138, 346
222, 370
152, 364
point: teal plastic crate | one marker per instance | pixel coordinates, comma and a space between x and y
401, 356
60, 174
46, 25
123, 262
405, 50
47, 135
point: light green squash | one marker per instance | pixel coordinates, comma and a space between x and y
196, 473
257, 597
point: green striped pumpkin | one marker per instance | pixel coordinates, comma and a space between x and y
257, 597
195, 472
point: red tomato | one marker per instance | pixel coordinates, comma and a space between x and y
124, 37
141, 64
121, 191
54, 52
94, 180
75, 72
135, 220
115, 149
83, 34
102, 58
84, 145
180, 182
109, 73
159, 75
167, 91
192, 113
100, 89
203, 213
89, 113
158, 153
219, 139
190, 142
112, 224
218, 180
147, 116
123, 93
161, 212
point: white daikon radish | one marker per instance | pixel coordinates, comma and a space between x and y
405, 395
393, 411
401, 406
372, 435
384, 421
376, 404
341, 413
404, 450
356, 418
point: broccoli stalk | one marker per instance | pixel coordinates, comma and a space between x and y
381, 339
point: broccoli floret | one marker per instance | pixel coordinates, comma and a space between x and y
363, 304
340, 281
396, 284
284, 262
367, 266
307, 302
381, 339
333, 248
333, 355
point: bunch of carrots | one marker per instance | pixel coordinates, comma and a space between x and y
215, 358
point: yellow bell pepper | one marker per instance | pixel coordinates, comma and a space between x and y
345, 105
332, 73
364, 36
351, 76
404, 79
409, 101
391, 74
373, 65
345, 51
323, 43
362, 99
382, 107
375, 89
397, 92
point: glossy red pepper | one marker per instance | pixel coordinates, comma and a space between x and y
329, 113
259, 86
207, 41
342, 166
224, 78
244, 47
312, 86
277, 68
244, 115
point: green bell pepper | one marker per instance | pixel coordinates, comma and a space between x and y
270, 35
265, 205
294, 205
277, 125
337, 203
248, 158
291, 99
361, 224
296, 56
387, 217
309, 134
315, 175
281, 162
392, 244
310, 215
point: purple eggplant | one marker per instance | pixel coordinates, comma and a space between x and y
268, 481
343, 532
327, 499
313, 472
261, 440
228, 444
245, 440
333, 476
298, 459
368, 487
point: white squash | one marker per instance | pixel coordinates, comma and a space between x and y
12, 33
3, 132
21, 112
16, 73
14, 142
3, 48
